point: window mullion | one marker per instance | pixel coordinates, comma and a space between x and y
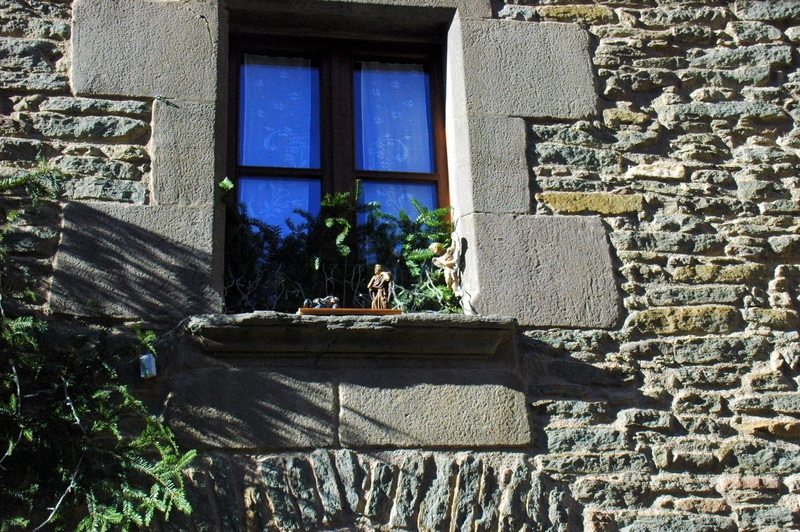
342, 145
437, 102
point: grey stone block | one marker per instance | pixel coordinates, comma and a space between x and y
300, 478
117, 260
772, 11
546, 271
516, 68
40, 81
353, 478
379, 497
489, 170
246, 409
90, 128
284, 511
183, 152
465, 497
135, 48
407, 496
329, 496
433, 415
28, 55
434, 508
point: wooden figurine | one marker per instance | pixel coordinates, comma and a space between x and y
380, 288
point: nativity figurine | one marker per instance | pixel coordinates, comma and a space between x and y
380, 288
447, 260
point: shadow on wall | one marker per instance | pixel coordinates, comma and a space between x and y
565, 390
134, 261
256, 402
238, 408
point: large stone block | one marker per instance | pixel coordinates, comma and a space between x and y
132, 261
520, 69
247, 409
181, 128
489, 168
432, 415
137, 48
546, 271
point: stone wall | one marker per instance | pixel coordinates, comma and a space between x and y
685, 415
100, 143
693, 166
400, 490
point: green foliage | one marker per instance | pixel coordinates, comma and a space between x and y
268, 271
77, 450
418, 285
329, 254
42, 183
226, 184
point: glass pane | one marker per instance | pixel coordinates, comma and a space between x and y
274, 199
279, 112
395, 197
393, 118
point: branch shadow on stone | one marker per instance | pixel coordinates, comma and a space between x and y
116, 261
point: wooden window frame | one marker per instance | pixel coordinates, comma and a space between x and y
336, 60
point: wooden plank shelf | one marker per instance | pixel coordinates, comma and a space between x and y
348, 312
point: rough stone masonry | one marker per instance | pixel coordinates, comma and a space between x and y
683, 417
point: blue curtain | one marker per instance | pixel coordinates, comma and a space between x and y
279, 113
273, 200
395, 197
393, 118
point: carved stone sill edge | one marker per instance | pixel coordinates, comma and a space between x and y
267, 333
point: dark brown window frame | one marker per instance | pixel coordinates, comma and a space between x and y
337, 58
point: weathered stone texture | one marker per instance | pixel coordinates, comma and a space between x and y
668, 131
536, 244
698, 121
37, 106
444, 494
176, 60
545, 87
114, 258
433, 416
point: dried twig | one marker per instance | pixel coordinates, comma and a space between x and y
11, 446
72, 407
63, 496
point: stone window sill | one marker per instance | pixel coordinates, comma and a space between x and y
421, 335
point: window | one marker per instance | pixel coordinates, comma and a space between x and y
319, 117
